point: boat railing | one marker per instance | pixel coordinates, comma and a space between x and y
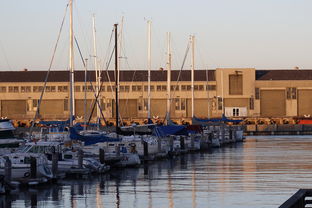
302, 198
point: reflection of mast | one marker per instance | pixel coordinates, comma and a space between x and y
194, 189
117, 194
99, 202
170, 192
150, 198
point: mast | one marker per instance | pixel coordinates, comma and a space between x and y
119, 56
71, 65
192, 39
168, 77
116, 77
149, 52
97, 72
85, 95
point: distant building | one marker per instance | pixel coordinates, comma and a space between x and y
238, 92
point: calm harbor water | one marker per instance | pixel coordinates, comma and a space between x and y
261, 172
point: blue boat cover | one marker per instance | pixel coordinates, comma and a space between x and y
163, 131
223, 119
91, 139
50, 123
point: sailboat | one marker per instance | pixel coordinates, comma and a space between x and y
8, 142
112, 143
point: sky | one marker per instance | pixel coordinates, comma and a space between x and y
264, 34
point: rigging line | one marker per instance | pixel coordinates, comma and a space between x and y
81, 27
108, 77
108, 48
179, 75
47, 76
96, 97
5, 56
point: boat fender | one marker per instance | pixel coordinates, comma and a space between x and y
27, 174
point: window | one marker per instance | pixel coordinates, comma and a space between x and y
77, 88
13, 88
103, 105
251, 103
51, 89
108, 103
145, 104
111, 88
257, 93
188, 87
293, 93
89, 88
210, 87
37, 88
35, 103
288, 93
140, 108
102, 88
220, 103
25, 89
183, 103
152, 88
177, 103
66, 105
198, 87
2, 89
163, 88
183, 87
62, 89
158, 87
235, 112
136, 88
175, 87
236, 84
121, 88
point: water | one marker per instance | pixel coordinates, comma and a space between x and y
262, 172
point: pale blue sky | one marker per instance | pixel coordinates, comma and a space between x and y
264, 34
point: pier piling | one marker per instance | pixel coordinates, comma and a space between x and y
192, 141
117, 150
182, 143
33, 167
145, 146
80, 158
55, 164
102, 155
159, 145
7, 170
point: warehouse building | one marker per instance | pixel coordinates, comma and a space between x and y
236, 92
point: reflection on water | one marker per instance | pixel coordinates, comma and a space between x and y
262, 172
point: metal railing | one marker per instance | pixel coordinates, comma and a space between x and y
302, 198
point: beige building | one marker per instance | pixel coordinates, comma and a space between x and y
236, 92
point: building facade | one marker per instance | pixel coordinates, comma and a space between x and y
236, 92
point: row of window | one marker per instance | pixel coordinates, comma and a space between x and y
122, 88
179, 104
291, 93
